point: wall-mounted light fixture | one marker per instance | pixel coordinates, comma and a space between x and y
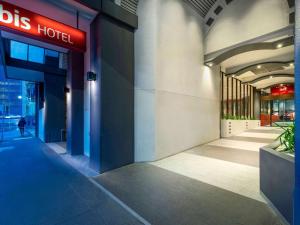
280, 45
66, 90
91, 76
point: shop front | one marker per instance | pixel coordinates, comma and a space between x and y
94, 113
277, 106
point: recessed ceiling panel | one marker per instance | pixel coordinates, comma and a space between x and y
202, 6
130, 5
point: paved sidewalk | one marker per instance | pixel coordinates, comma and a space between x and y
39, 188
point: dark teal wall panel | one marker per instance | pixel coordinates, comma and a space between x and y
112, 112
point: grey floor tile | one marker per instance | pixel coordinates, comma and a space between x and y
251, 139
166, 198
243, 157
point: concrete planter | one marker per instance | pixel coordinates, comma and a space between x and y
233, 127
277, 179
252, 124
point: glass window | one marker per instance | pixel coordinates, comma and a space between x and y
18, 50
36, 54
51, 53
290, 110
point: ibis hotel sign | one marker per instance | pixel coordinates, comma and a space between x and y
23, 21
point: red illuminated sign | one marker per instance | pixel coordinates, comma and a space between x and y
282, 90
41, 28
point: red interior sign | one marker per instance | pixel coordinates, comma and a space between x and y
41, 28
282, 90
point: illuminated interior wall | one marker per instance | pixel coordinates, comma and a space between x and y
176, 97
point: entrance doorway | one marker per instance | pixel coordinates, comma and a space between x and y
17, 101
32, 87
283, 111
277, 112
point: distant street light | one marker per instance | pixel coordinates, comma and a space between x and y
19, 97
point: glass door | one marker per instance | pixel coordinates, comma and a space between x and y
283, 112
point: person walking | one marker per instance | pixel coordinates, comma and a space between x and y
21, 125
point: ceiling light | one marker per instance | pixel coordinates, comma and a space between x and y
210, 64
271, 77
233, 75
291, 64
258, 66
280, 45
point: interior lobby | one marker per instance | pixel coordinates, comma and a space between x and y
155, 112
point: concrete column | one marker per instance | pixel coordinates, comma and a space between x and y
297, 111
75, 101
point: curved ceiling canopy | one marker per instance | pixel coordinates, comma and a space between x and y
275, 85
262, 68
263, 84
271, 76
250, 47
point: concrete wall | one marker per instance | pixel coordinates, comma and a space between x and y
176, 96
244, 20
